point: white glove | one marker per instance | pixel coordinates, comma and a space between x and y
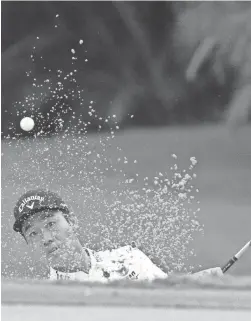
213, 272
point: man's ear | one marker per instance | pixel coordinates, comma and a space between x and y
73, 221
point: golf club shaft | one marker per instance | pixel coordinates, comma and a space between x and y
236, 257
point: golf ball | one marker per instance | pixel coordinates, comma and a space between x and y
27, 124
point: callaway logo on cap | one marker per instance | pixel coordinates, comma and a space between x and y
31, 199
35, 201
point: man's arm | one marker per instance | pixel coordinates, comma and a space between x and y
144, 268
149, 271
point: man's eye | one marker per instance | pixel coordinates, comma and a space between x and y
32, 234
50, 224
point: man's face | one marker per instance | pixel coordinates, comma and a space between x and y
51, 234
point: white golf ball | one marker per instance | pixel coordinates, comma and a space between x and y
27, 124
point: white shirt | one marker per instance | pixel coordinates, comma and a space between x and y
126, 262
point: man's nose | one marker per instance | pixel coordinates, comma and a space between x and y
47, 237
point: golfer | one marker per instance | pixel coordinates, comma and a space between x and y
48, 226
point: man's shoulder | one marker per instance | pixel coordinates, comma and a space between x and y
120, 252
122, 262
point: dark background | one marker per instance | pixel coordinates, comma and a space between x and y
138, 55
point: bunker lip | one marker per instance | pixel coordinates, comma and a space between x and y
127, 294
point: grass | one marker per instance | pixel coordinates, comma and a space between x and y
223, 178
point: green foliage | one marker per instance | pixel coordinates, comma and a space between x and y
164, 62
218, 35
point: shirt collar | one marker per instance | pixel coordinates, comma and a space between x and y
93, 263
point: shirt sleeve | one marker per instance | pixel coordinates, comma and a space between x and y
145, 269
53, 274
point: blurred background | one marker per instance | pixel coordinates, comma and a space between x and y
177, 75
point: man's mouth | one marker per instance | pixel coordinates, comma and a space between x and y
52, 250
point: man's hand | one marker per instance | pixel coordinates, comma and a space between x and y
213, 272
